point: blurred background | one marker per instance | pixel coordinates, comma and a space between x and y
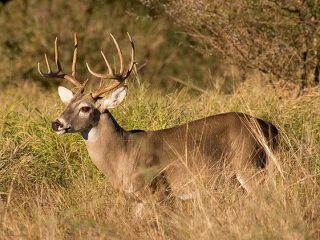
199, 44
28, 29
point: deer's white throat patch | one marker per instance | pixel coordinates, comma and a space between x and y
92, 135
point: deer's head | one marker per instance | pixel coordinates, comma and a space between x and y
82, 110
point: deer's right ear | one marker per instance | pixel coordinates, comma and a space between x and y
115, 99
65, 95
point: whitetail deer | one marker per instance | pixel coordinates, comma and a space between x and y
138, 161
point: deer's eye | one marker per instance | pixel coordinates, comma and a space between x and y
85, 109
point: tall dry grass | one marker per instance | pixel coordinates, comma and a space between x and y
50, 189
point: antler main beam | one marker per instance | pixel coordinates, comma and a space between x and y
119, 77
59, 73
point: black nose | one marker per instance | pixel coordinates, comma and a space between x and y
56, 124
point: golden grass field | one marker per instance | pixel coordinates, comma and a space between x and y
50, 189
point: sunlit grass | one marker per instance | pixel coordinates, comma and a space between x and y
50, 189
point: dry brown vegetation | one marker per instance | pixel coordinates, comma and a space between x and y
49, 189
277, 37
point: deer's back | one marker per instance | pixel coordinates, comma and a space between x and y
217, 135
201, 145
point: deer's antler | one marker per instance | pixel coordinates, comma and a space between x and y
119, 77
59, 73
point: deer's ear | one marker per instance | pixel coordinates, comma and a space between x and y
65, 95
115, 99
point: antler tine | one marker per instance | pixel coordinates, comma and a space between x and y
111, 75
100, 75
75, 55
59, 73
47, 62
119, 54
132, 62
108, 65
48, 66
56, 55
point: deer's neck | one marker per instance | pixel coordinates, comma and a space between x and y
105, 145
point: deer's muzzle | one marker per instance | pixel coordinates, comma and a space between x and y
57, 125
60, 127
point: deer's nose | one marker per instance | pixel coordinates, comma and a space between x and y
56, 124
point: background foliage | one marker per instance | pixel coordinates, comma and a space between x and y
276, 37
31, 26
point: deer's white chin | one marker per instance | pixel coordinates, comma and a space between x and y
60, 132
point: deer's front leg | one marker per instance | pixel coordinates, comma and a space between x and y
136, 198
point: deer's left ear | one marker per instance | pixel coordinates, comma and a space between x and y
65, 95
115, 99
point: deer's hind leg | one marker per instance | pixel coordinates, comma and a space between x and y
247, 165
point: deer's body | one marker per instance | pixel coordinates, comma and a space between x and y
133, 161
138, 161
